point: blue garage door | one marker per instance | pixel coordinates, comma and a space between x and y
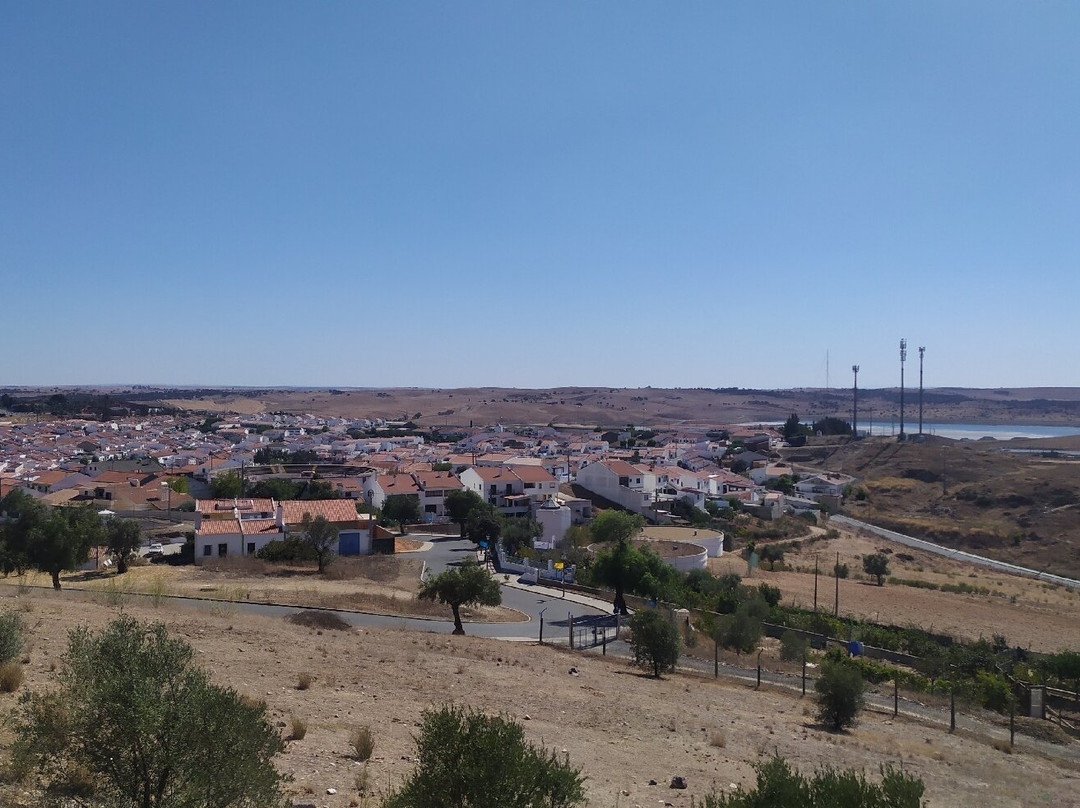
349, 544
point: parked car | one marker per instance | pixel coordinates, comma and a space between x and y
155, 549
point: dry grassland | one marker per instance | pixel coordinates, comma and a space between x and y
622, 728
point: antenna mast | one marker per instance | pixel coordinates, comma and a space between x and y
855, 403
903, 358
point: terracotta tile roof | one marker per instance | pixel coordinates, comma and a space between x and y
252, 527
622, 468
333, 510
533, 474
219, 527
211, 506
437, 480
398, 484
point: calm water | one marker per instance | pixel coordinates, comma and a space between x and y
972, 431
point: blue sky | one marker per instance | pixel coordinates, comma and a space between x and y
462, 193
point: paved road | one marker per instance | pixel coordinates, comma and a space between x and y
445, 552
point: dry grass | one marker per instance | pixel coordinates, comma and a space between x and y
11, 677
297, 728
362, 742
320, 620
608, 718
303, 681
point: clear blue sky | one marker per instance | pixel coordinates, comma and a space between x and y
535, 194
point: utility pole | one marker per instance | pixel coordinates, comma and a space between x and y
903, 358
815, 584
922, 350
855, 403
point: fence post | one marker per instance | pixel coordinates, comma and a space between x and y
604, 640
715, 659
895, 696
952, 709
570, 623
804, 674
758, 687
541, 626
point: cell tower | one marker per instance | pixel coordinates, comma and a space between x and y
922, 350
855, 403
903, 358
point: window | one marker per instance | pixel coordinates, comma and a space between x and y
222, 550
207, 550
251, 548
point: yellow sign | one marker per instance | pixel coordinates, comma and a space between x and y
558, 565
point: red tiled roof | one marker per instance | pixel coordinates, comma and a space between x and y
333, 510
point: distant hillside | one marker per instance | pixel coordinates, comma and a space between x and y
607, 406
970, 495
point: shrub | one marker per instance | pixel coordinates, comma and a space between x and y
362, 743
778, 786
469, 758
303, 681
297, 728
840, 694
12, 636
793, 646
654, 641
134, 711
11, 677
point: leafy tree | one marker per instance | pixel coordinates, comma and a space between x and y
321, 538
876, 564
122, 537
465, 505
793, 646
840, 694
401, 509
830, 425
778, 786
616, 526
466, 585
841, 570
518, 533
484, 528
227, 485
276, 488
468, 758
271, 455
616, 567
741, 631
135, 714
792, 428
654, 641
63, 540
321, 489
178, 484
24, 514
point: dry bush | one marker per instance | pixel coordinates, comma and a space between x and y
718, 738
323, 620
11, 677
303, 681
238, 565
362, 742
297, 728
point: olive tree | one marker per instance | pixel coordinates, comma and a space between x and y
469, 584
654, 641
840, 694
876, 564
320, 537
468, 758
122, 537
135, 724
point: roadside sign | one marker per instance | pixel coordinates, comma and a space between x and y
559, 565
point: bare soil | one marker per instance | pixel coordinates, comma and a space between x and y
378, 584
1031, 614
621, 727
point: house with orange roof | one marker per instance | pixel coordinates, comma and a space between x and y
249, 525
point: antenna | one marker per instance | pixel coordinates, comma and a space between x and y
855, 403
922, 350
903, 358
